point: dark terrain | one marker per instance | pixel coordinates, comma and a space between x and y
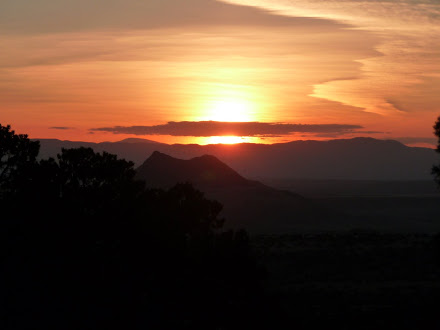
359, 183
353, 280
371, 260
302, 205
392, 206
247, 204
342, 243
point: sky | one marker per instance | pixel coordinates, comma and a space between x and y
207, 71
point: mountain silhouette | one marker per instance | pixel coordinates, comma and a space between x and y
341, 159
247, 203
163, 171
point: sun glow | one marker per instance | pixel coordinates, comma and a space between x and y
231, 110
228, 103
225, 140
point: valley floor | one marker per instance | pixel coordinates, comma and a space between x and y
390, 206
352, 280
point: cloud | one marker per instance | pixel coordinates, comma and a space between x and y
397, 105
216, 128
60, 127
337, 134
392, 81
24, 16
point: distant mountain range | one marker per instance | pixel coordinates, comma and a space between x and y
342, 159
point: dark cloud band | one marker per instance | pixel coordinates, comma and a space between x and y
60, 127
216, 128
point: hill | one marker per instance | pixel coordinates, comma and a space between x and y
204, 172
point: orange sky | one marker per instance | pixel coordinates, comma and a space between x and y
76, 70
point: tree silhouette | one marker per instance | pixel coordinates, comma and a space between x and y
90, 182
436, 168
17, 156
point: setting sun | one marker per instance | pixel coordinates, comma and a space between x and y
232, 110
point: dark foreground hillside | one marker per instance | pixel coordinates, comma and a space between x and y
84, 245
353, 280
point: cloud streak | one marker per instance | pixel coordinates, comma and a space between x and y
60, 127
410, 34
216, 128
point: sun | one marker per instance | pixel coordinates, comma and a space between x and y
230, 110
234, 107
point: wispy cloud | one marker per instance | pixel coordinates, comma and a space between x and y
407, 52
216, 128
60, 127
